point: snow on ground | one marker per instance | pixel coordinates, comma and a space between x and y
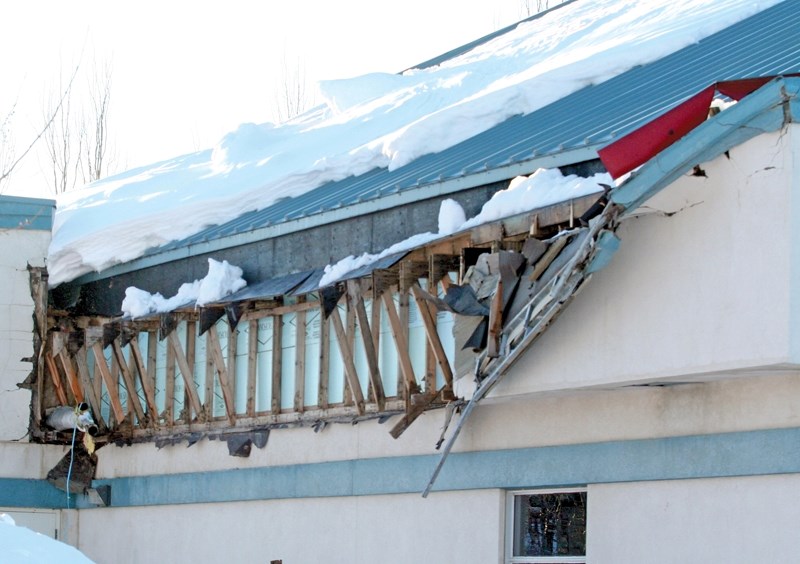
20, 545
377, 120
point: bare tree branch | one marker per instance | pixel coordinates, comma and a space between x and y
292, 96
6, 170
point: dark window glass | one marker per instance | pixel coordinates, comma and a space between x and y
550, 524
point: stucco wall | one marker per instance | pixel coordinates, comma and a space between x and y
725, 406
700, 288
732, 520
18, 248
460, 527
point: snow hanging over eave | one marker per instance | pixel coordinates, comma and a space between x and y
374, 121
525, 193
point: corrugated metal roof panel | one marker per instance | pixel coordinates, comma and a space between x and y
765, 44
266, 289
383, 262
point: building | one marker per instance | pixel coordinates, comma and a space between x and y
654, 420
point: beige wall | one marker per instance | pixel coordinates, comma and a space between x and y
731, 520
764, 402
18, 248
703, 293
463, 527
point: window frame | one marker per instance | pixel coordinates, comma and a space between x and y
509, 528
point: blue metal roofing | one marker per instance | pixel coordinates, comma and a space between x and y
765, 44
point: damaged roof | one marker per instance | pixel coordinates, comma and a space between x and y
568, 131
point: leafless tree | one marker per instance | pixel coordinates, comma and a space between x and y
60, 138
6, 146
78, 146
9, 159
97, 153
531, 7
292, 97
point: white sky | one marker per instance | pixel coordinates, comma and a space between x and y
186, 73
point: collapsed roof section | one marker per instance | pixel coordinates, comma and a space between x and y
565, 133
393, 338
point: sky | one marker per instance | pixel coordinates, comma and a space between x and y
377, 120
185, 73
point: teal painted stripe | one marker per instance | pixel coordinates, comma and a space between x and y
26, 213
702, 456
774, 451
40, 494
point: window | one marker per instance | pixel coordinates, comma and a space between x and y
546, 526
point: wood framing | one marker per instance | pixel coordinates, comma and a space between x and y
347, 358
174, 354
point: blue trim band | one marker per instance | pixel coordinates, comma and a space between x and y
26, 213
40, 494
774, 451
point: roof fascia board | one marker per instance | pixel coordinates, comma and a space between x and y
765, 110
433, 190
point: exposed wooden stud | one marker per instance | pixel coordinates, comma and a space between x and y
186, 373
130, 383
495, 322
277, 363
429, 322
430, 354
404, 313
208, 396
222, 373
409, 382
115, 377
324, 353
72, 377
147, 378
356, 302
97, 381
375, 326
233, 350
350, 342
110, 381
349, 364
252, 366
61, 394
191, 346
300, 362
86, 380
152, 358
169, 387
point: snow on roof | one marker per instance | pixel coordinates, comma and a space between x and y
374, 121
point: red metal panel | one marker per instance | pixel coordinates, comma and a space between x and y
641, 145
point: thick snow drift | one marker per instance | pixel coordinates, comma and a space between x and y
378, 120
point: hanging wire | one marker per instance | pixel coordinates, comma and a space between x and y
71, 457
